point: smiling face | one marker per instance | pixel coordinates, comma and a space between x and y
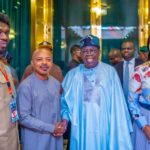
90, 56
4, 36
42, 61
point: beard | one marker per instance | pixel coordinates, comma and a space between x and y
2, 52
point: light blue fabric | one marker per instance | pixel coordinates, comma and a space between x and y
101, 122
134, 107
39, 110
131, 67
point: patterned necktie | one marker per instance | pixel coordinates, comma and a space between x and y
126, 80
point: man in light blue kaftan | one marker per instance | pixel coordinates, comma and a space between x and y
94, 103
39, 106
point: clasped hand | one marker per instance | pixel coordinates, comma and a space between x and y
60, 128
146, 130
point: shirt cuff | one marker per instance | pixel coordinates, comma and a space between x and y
141, 122
65, 116
48, 127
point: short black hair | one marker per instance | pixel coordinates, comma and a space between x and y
126, 41
5, 19
74, 48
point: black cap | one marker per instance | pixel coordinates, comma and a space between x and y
90, 40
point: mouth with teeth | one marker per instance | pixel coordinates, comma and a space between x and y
89, 60
44, 68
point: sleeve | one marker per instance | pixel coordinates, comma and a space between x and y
24, 101
65, 109
67, 98
133, 99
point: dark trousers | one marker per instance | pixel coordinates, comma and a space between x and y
67, 135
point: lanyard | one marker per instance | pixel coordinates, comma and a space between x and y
10, 90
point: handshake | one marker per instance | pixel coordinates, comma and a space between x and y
60, 128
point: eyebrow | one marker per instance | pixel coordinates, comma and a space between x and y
127, 47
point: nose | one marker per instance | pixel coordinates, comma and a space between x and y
126, 51
3, 36
44, 61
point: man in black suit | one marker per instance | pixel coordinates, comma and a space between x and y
126, 67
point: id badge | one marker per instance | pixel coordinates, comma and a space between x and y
13, 111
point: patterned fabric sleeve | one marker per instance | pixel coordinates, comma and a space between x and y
133, 99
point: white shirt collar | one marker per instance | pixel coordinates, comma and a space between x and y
131, 61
